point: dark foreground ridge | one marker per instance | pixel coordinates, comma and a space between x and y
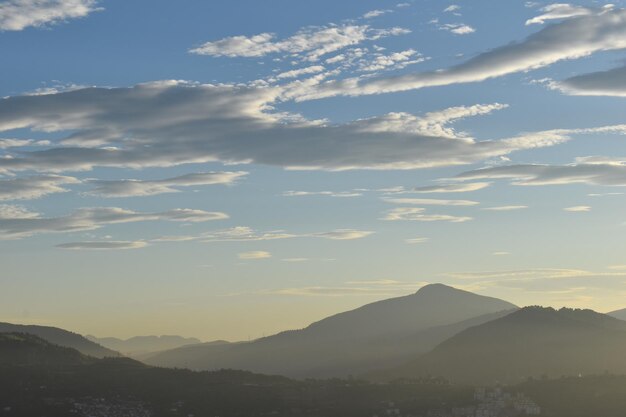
38, 378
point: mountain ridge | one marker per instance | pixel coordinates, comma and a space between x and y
368, 337
531, 342
61, 337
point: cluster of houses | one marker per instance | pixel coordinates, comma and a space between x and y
99, 407
488, 403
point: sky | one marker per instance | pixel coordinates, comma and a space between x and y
230, 169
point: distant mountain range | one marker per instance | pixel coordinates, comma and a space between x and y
141, 345
375, 336
62, 338
439, 331
531, 342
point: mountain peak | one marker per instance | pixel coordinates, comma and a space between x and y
436, 287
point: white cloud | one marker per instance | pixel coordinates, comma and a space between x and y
396, 60
17, 223
578, 37
243, 234
602, 83
453, 188
531, 274
295, 259
430, 202
344, 194
590, 171
313, 69
16, 143
505, 208
343, 234
375, 13
559, 11
17, 15
501, 253
254, 255
309, 43
171, 123
417, 214
104, 245
10, 211
452, 8
247, 234
457, 28
135, 188
32, 187
578, 209
415, 240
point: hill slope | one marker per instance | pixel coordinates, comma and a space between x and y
618, 314
140, 345
62, 338
22, 349
531, 342
374, 336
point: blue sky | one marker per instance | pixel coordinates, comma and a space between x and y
231, 169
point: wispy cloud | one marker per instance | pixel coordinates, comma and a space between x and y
235, 124
104, 245
581, 36
254, 255
453, 188
309, 43
504, 208
17, 15
417, 214
560, 11
32, 187
576, 209
136, 188
430, 202
16, 222
589, 170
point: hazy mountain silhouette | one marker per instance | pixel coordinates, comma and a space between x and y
531, 342
618, 314
374, 336
62, 338
141, 345
22, 349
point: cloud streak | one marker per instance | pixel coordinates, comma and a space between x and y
16, 15
29, 188
16, 223
104, 245
603, 30
137, 188
417, 214
312, 43
590, 171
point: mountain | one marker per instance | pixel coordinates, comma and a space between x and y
531, 342
62, 338
22, 349
141, 345
374, 336
618, 314
41, 379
